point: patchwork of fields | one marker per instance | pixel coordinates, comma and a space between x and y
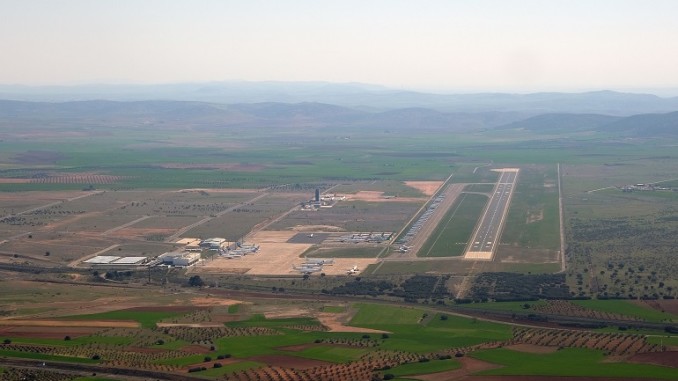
236, 340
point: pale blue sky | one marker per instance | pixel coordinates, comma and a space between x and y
473, 45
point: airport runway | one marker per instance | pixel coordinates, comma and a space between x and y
487, 233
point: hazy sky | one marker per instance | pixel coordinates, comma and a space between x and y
445, 45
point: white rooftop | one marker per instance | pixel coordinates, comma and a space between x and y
102, 259
128, 260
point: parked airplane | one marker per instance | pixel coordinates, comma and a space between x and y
308, 269
353, 270
319, 261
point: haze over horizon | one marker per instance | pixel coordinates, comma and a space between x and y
437, 46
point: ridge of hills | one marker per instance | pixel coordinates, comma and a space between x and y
642, 125
215, 116
318, 115
354, 95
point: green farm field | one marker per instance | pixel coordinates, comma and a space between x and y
533, 218
253, 339
628, 308
589, 363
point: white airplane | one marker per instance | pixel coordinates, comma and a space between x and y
353, 270
308, 269
318, 261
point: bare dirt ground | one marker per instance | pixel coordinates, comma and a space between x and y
664, 305
122, 298
428, 188
469, 366
275, 257
335, 324
285, 312
127, 233
47, 332
104, 304
376, 196
213, 301
669, 358
317, 228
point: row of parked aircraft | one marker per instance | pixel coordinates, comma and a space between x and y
314, 265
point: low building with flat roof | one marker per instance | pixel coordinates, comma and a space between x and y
129, 261
179, 258
102, 259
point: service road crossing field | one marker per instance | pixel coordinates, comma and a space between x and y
486, 236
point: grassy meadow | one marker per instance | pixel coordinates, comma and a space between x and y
589, 363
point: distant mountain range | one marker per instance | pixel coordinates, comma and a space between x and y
212, 116
642, 125
354, 95
246, 115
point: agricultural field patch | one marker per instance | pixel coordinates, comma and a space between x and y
372, 315
533, 218
12, 203
626, 308
237, 223
62, 248
590, 363
147, 317
616, 343
434, 366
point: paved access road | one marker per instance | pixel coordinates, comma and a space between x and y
487, 233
